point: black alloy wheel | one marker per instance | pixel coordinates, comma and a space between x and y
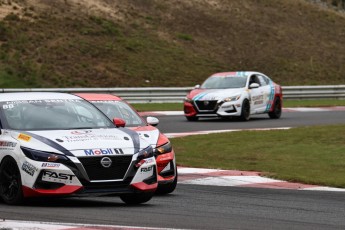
10, 182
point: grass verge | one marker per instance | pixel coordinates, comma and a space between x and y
313, 155
287, 104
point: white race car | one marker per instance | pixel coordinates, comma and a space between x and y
234, 94
56, 144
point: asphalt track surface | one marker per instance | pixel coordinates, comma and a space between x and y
197, 207
206, 207
174, 124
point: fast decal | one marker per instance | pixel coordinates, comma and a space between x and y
24, 137
51, 165
57, 177
50, 143
29, 168
91, 152
147, 169
7, 145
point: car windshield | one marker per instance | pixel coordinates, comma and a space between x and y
226, 82
119, 109
52, 115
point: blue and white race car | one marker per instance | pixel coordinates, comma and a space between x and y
234, 94
56, 144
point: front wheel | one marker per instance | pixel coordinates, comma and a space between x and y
136, 198
277, 110
10, 182
245, 111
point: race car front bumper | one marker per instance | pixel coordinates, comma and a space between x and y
56, 179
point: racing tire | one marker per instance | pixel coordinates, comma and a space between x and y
192, 118
277, 110
245, 110
167, 188
137, 198
10, 182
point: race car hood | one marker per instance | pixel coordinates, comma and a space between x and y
149, 133
214, 94
82, 141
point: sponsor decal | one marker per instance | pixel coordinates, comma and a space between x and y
149, 160
92, 152
51, 165
57, 177
29, 168
24, 137
88, 136
147, 169
77, 132
7, 145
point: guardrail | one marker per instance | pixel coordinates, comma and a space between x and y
177, 94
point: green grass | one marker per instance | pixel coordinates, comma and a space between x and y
313, 155
287, 104
47, 44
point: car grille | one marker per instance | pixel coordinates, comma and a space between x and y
96, 171
206, 105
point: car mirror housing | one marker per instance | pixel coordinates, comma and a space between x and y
152, 121
254, 85
196, 86
118, 122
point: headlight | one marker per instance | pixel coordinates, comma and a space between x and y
37, 155
233, 98
166, 148
145, 153
186, 99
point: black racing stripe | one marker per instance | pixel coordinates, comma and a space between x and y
49, 142
135, 138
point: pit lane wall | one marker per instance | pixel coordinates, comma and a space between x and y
177, 94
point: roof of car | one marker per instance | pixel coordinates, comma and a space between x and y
35, 96
98, 97
234, 73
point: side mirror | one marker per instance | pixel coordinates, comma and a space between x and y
197, 87
118, 122
254, 85
152, 121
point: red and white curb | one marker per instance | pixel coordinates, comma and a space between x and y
297, 109
37, 225
235, 178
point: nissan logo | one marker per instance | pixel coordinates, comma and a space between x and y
106, 162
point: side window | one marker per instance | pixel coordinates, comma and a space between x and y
263, 80
254, 79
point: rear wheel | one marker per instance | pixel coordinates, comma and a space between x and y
245, 111
10, 182
192, 118
277, 110
136, 198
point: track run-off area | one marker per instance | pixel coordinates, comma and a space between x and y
245, 200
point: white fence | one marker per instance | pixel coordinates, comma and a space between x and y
177, 94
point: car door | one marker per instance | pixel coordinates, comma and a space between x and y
259, 96
265, 91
